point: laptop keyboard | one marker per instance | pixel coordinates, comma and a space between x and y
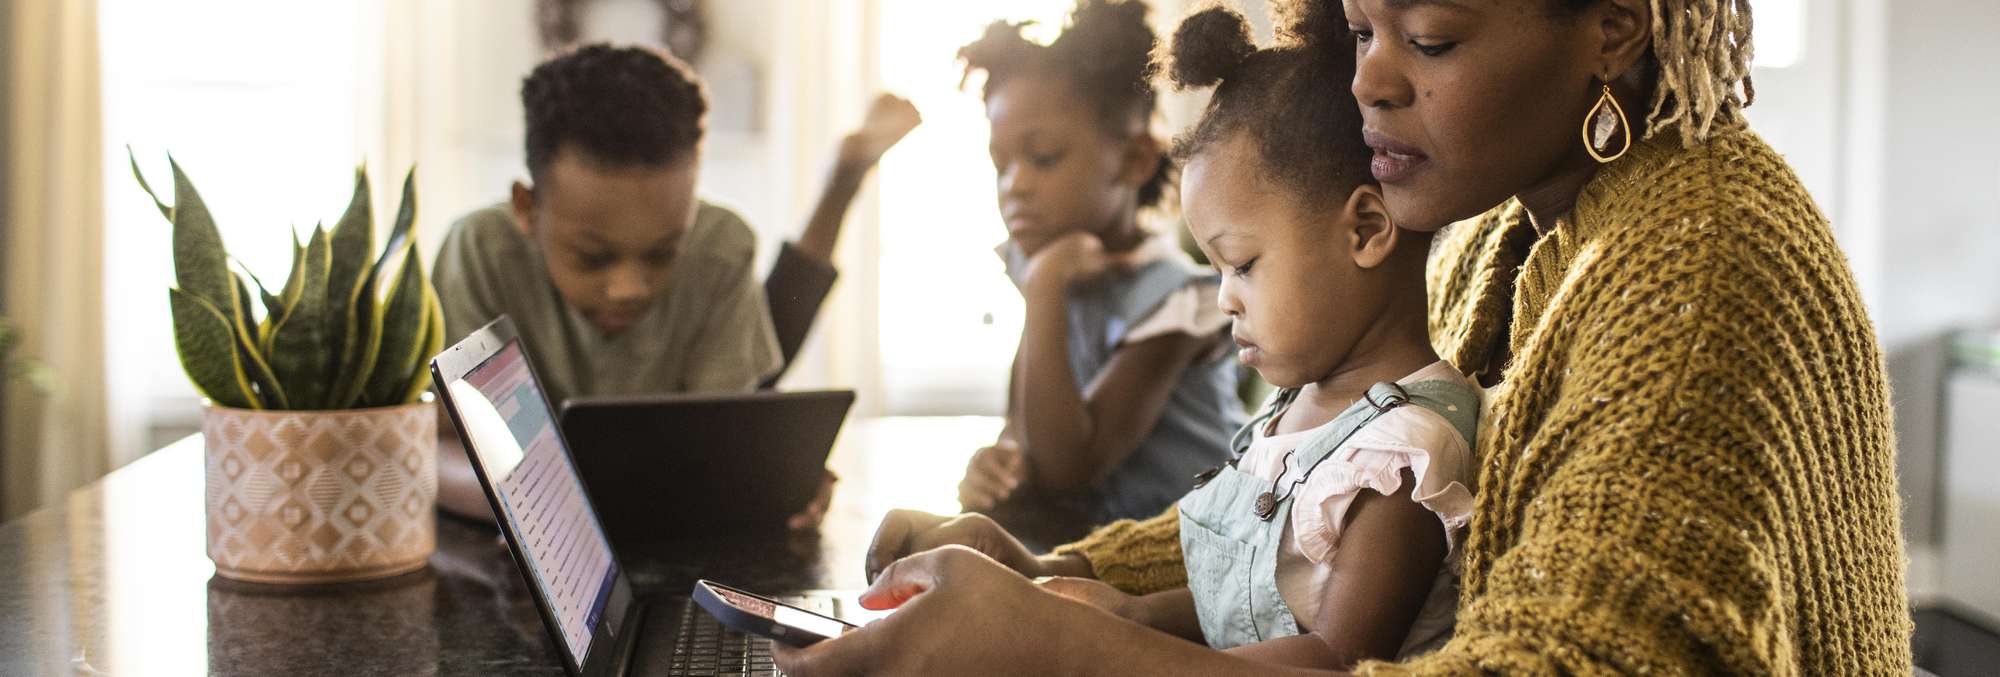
707, 647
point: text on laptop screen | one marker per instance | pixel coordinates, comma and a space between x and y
509, 429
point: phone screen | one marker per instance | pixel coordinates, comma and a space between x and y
782, 614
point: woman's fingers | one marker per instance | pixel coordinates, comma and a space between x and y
893, 538
903, 580
1089, 591
958, 612
885, 647
843, 656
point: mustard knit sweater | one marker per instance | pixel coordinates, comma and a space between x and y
1688, 464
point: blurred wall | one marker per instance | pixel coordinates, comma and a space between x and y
6, 151
1930, 107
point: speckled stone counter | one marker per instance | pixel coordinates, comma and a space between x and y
114, 580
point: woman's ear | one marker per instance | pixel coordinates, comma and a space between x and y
522, 202
1373, 235
1625, 28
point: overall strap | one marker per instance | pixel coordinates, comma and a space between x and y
1456, 401
1379, 400
1274, 404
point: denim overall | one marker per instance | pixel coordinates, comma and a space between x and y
1231, 546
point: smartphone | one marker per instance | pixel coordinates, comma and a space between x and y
759, 615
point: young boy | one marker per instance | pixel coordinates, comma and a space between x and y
619, 279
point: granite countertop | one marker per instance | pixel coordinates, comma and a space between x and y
114, 580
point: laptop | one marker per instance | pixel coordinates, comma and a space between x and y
598, 622
653, 455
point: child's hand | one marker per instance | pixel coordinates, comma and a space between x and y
889, 119
815, 511
992, 476
1072, 258
1095, 593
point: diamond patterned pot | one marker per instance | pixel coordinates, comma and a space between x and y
321, 496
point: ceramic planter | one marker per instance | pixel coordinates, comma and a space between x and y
321, 496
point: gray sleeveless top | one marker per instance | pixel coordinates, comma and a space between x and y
1193, 432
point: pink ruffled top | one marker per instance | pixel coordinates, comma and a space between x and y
1408, 438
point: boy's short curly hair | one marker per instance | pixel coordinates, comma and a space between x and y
619, 105
1104, 52
1292, 99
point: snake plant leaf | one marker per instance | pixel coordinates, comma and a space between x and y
297, 280
371, 333
403, 339
165, 210
433, 344
406, 218
272, 304
201, 264
353, 245
270, 393
207, 347
300, 344
399, 243
244, 320
275, 313
367, 314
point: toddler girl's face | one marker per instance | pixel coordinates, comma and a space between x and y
1299, 301
1055, 170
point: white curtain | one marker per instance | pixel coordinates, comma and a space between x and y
54, 440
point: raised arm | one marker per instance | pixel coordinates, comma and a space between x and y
804, 274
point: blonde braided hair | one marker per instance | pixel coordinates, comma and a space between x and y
1702, 50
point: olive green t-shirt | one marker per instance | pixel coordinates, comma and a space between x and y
710, 331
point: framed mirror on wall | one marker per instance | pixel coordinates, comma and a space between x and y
681, 26
684, 28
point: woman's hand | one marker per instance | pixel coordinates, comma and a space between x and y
958, 612
992, 476
1168, 611
906, 532
1096, 593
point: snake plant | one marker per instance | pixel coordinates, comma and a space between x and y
344, 332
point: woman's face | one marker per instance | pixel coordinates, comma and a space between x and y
1469, 102
1055, 170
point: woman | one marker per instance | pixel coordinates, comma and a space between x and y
1687, 465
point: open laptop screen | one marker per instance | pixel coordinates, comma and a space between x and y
508, 426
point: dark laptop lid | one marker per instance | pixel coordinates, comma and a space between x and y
531, 483
669, 467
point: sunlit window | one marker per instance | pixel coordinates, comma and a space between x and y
1779, 32
258, 101
949, 317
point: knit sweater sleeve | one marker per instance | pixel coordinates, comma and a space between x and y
1134, 556
1663, 433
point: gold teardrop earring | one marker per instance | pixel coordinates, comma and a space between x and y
1605, 118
